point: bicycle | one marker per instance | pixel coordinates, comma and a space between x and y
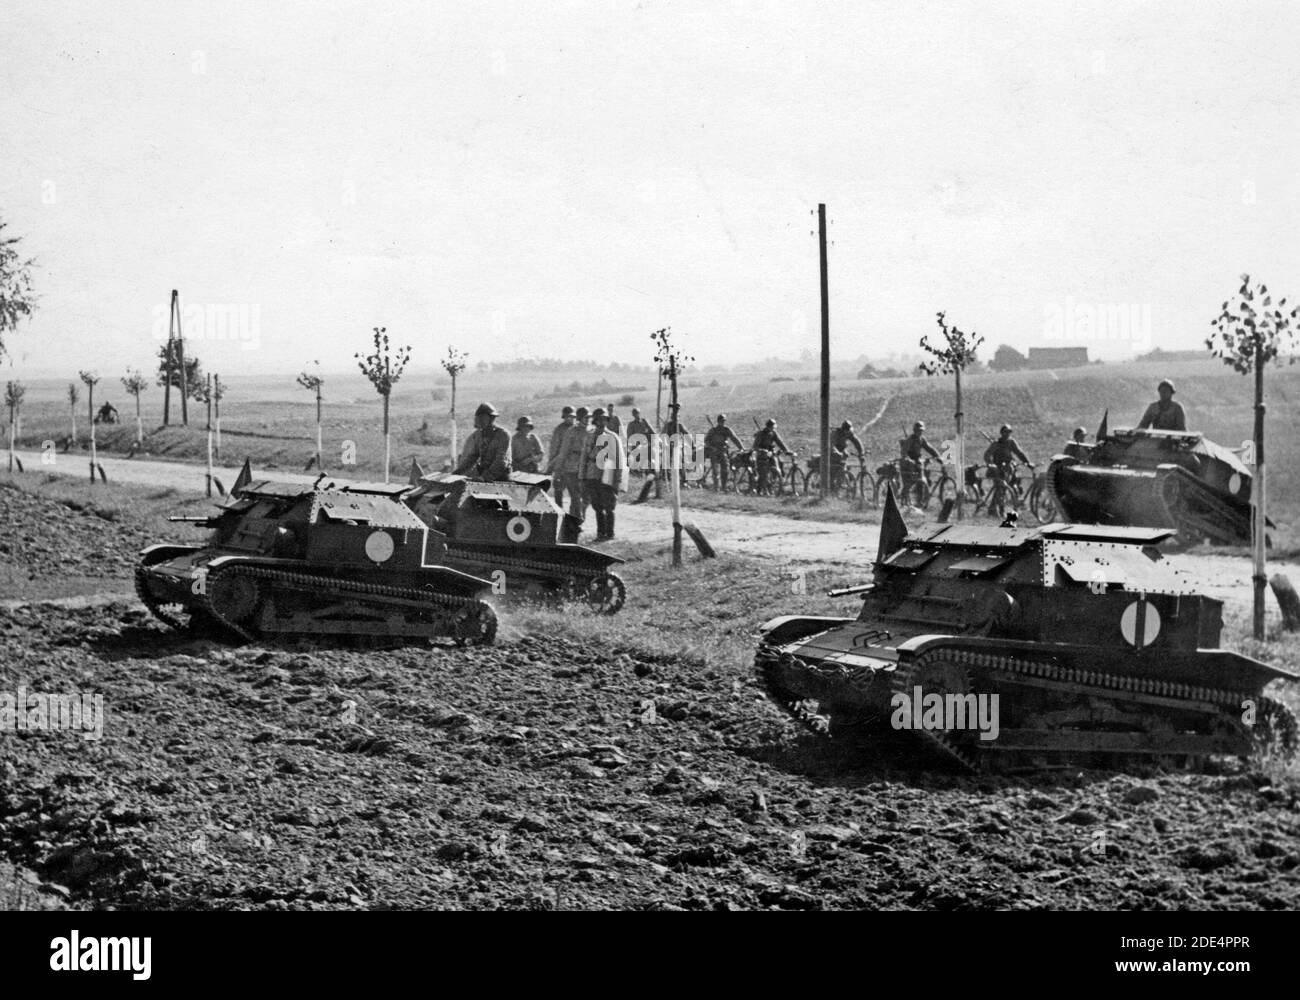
910, 483
766, 476
1006, 492
845, 483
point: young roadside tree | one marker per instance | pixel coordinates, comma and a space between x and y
1249, 332
17, 300
953, 356
136, 383
454, 363
90, 379
312, 382
14, 392
74, 394
670, 358
383, 369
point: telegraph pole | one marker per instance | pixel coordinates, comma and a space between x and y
826, 360
180, 356
1260, 524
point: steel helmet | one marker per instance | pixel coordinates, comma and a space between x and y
1165, 384
1004, 429
485, 410
771, 422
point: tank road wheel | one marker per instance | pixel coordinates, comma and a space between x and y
235, 597
1276, 733
936, 675
475, 625
606, 593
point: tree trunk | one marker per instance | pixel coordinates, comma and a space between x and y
11, 439
387, 445
320, 458
74, 426
455, 444
959, 475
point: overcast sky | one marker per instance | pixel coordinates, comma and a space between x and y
562, 179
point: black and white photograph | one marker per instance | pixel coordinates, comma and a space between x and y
651, 456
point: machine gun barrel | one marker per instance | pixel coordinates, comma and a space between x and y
202, 519
860, 588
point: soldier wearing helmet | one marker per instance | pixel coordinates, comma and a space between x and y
914, 446
525, 449
1164, 414
717, 444
1078, 446
569, 462
1003, 453
486, 455
553, 449
841, 438
913, 449
767, 446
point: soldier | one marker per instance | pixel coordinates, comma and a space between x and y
717, 442
603, 468
525, 450
640, 439
569, 462
767, 445
1078, 445
913, 448
553, 452
1164, 414
841, 438
612, 422
673, 427
486, 455
1002, 453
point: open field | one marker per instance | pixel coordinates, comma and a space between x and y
272, 421
582, 762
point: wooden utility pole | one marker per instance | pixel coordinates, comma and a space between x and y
216, 406
675, 444
180, 358
826, 361
959, 474
1257, 493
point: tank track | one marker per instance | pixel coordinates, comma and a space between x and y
315, 584
473, 558
1280, 724
155, 607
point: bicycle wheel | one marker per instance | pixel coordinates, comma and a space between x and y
947, 489
798, 482
1042, 504
847, 487
867, 487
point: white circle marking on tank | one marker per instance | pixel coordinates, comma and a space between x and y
1234, 483
379, 546
519, 529
1128, 624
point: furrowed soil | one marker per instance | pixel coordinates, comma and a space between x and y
582, 762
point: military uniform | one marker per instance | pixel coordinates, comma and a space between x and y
525, 451
569, 463
1161, 416
486, 455
1004, 451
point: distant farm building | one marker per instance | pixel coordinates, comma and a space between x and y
1057, 357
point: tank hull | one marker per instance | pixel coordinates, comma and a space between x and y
1013, 647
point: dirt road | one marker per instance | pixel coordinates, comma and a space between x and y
774, 537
